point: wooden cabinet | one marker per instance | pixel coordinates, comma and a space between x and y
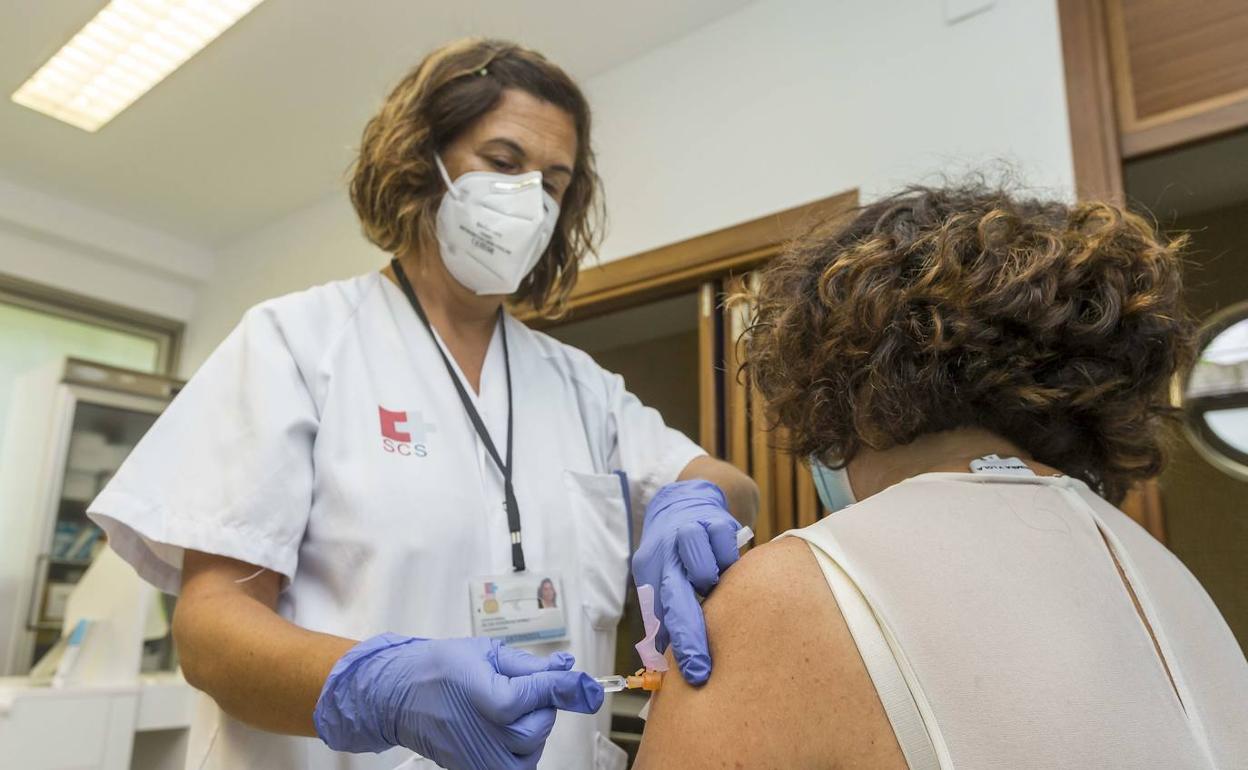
1180, 70
1144, 76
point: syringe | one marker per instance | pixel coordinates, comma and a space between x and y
644, 679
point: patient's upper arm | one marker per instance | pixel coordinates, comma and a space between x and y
788, 688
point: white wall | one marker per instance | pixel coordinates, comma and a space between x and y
783, 102
788, 101
314, 245
53, 242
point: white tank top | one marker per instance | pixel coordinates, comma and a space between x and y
996, 628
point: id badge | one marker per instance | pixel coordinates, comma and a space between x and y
519, 607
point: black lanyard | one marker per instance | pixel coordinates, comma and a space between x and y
509, 492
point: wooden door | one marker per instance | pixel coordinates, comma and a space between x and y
710, 375
737, 427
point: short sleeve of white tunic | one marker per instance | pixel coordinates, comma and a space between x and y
229, 467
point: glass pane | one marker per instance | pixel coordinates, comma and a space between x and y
102, 436
1223, 364
100, 439
1230, 425
30, 339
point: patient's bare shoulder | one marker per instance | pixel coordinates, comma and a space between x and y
788, 688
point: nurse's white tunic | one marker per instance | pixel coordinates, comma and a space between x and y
285, 451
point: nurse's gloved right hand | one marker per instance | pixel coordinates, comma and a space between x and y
467, 704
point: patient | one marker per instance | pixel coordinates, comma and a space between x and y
967, 610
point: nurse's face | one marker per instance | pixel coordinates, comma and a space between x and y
522, 134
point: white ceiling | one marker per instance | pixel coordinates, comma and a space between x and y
263, 120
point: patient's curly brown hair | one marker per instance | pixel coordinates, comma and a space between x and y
1058, 327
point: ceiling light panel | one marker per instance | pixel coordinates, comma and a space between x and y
129, 47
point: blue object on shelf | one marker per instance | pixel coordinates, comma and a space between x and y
64, 538
81, 549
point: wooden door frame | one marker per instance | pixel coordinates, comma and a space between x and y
684, 266
1090, 103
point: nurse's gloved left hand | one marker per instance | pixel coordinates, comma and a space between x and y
467, 704
687, 540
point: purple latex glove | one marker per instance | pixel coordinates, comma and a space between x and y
467, 704
687, 540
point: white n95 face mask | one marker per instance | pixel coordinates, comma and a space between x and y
833, 486
493, 228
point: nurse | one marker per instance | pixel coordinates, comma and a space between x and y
362, 489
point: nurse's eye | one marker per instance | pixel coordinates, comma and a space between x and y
504, 166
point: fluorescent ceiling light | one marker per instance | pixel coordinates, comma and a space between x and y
130, 46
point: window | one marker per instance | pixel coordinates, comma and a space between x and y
39, 326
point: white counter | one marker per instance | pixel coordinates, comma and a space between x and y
104, 727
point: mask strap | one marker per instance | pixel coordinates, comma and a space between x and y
446, 177
835, 491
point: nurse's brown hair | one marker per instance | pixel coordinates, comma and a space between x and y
1059, 327
396, 187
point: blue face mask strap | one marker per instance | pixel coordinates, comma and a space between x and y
821, 485
832, 486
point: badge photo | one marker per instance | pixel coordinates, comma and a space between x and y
519, 608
